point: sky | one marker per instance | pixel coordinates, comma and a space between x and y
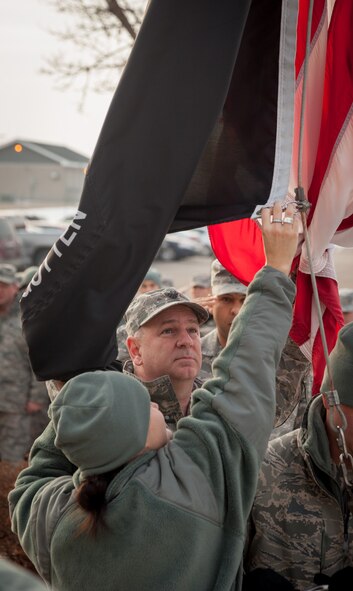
30, 106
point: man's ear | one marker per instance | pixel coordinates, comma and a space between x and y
133, 345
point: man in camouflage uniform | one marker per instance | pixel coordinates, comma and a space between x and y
20, 394
293, 377
38, 419
200, 286
201, 293
229, 295
346, 298
302, 523
165, 350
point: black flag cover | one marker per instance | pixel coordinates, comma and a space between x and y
199, 131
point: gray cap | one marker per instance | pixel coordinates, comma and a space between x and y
346, 297
8, 274
154, 275
100, 420
223, 282
146, 306
201, 281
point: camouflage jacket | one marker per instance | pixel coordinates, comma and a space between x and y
17, 382
301, 523
210, 347
207, 326
162, 392
293, 389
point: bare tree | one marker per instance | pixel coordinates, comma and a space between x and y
96, 40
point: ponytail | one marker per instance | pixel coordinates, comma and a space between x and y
91, 498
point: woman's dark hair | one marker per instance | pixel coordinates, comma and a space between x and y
91, 498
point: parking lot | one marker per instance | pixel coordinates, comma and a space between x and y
181, 272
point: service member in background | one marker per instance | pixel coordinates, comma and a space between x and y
228, 297
21, 396
302, 519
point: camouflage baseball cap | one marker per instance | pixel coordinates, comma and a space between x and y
146, 306
8, 274
346, 298
223, 282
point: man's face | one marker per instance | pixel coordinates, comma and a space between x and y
224, 310
147, 285
169, 344
199, 292
7, 294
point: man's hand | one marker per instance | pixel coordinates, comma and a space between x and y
206, 302
280, 235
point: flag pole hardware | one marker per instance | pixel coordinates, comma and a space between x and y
300, 200
300, 205
345, 457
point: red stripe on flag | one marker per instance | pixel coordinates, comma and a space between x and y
346, 224
318, 10
332, 320
338, 93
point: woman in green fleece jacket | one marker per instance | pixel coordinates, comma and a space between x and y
143, 513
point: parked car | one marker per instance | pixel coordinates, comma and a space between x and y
11, 250
38, 238
176, 247
201, 238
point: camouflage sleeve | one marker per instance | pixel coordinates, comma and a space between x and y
292, 382
15, 368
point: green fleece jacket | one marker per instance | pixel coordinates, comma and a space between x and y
177, 517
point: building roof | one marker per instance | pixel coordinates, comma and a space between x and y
35, 152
